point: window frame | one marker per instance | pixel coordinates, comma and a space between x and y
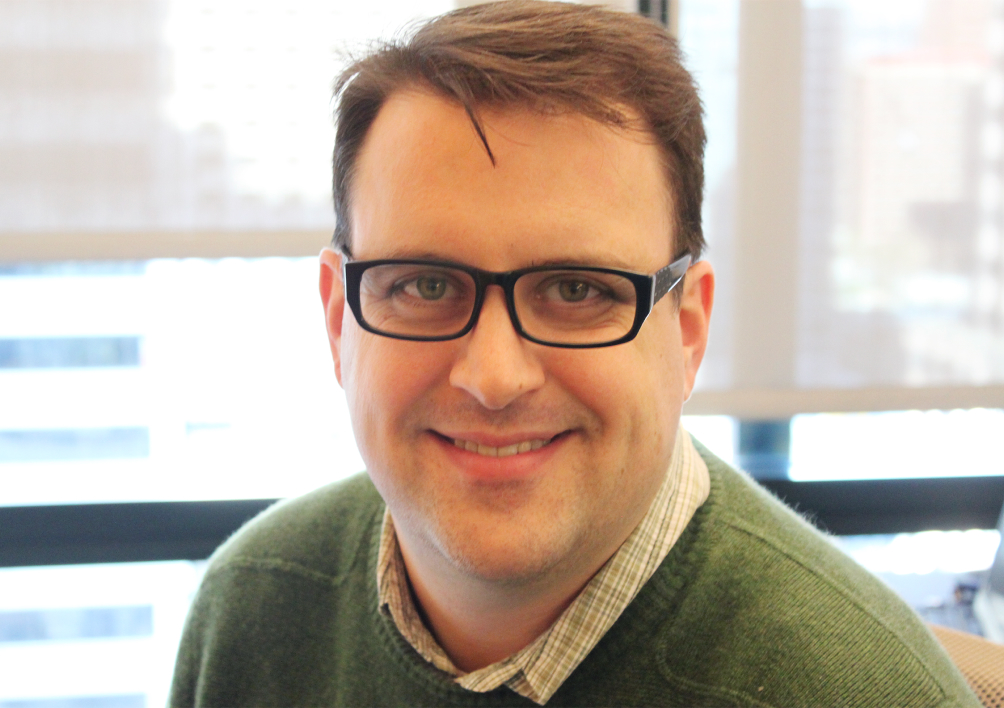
160, 531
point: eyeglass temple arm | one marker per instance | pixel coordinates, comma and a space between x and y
668, 278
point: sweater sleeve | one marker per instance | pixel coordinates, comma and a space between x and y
184, 686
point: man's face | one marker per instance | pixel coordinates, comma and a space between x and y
565, 190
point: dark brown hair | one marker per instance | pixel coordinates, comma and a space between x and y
545, 56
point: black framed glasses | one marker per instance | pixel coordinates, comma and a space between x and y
576, 307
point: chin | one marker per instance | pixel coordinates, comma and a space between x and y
517, 553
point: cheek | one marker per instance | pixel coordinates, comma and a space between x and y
636, 389
384, 380
662, 352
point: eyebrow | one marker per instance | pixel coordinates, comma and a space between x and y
416, 255
601, 262
605, 261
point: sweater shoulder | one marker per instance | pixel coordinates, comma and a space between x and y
786, 618
325, 532
751, 523
279, 612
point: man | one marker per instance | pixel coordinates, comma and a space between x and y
517, 312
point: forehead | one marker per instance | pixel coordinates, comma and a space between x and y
563, 188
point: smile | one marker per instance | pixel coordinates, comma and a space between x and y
506, 451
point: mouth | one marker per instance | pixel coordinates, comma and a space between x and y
486, 458
504, 451
507, 450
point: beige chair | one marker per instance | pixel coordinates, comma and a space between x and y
980, 661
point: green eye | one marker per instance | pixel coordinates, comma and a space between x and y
573, 290
430, 288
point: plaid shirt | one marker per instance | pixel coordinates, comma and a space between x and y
539, 669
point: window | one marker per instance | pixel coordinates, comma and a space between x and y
164, 176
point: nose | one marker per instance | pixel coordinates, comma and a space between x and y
496, 365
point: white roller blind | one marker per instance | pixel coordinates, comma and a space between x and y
158, 118
862, 238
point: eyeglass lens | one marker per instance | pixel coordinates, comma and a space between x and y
563, 306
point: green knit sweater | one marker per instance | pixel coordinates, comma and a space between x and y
752, 607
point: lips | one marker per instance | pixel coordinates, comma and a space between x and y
487, 458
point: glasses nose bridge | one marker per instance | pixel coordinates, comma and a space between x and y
506, 281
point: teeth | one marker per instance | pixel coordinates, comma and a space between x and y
488, 451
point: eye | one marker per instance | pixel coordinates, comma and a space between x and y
573, 290
430, 287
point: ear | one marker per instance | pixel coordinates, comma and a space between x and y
695, 312
333, 300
